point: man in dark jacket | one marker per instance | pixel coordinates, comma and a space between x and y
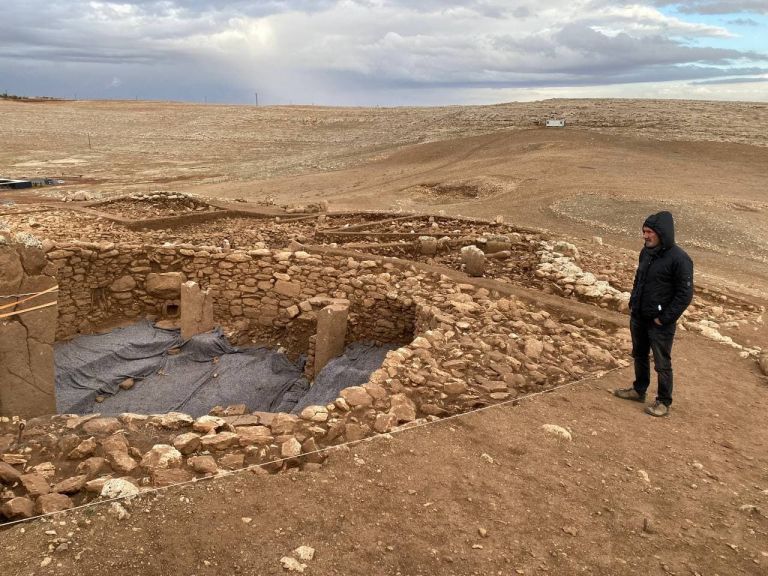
662, 291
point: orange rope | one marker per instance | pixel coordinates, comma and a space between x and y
9, 314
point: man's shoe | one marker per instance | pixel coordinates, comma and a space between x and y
629, 394
657, 409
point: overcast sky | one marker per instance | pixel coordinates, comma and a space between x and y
384, 52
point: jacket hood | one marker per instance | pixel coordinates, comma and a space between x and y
664, 225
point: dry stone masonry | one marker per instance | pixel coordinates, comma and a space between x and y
459, 343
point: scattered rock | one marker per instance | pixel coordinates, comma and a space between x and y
70, 485
254, 435
8, 474
127, 384
304, 553
171, 476
101, 426
92, 466
763, 362
187, 443
161, 456
84, 449
290, 448
118, 510
232, 461
172, 420
206, 424
19, 507
557, 431
49, 503
356, 396
119, 488
292, 565
203, 464
35, 484
220, 441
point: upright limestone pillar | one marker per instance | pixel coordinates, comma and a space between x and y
196, 310
331, 333
28, 314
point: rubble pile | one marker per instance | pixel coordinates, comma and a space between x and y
154, 205
559, 264
471, 349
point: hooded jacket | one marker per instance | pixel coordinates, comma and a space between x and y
663, 286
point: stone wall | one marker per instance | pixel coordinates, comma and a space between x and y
258, 292
26, 338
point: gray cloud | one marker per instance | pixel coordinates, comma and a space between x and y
743, 22
348, 51
718, 6
746, 80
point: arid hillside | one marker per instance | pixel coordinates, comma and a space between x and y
481, 493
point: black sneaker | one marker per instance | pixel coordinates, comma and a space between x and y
629, 394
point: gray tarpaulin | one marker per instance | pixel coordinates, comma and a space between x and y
206, 372
354, 368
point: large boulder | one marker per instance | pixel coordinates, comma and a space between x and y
8, 474
70, 485
220, 441
49, 503
166, 285
123, 284
18, 508
35, 484
102, 426
763, 362
160, 457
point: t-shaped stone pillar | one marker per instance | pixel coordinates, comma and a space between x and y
474, 260
427, 245
331, 333
196, 310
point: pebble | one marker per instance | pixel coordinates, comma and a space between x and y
305, 553
648, 526
292, 565
557, 431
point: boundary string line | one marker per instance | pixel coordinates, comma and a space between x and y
29, 296
20, 295
387, 435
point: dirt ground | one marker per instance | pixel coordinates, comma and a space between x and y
628, 495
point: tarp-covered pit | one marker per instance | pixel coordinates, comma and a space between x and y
175, 376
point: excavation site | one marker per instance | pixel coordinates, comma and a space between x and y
377, 333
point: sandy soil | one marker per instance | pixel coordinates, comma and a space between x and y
415, 504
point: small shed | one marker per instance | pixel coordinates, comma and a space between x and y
556, 123
15, 184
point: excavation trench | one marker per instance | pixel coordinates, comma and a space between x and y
144, 369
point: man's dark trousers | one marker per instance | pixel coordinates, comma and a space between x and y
647, 337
